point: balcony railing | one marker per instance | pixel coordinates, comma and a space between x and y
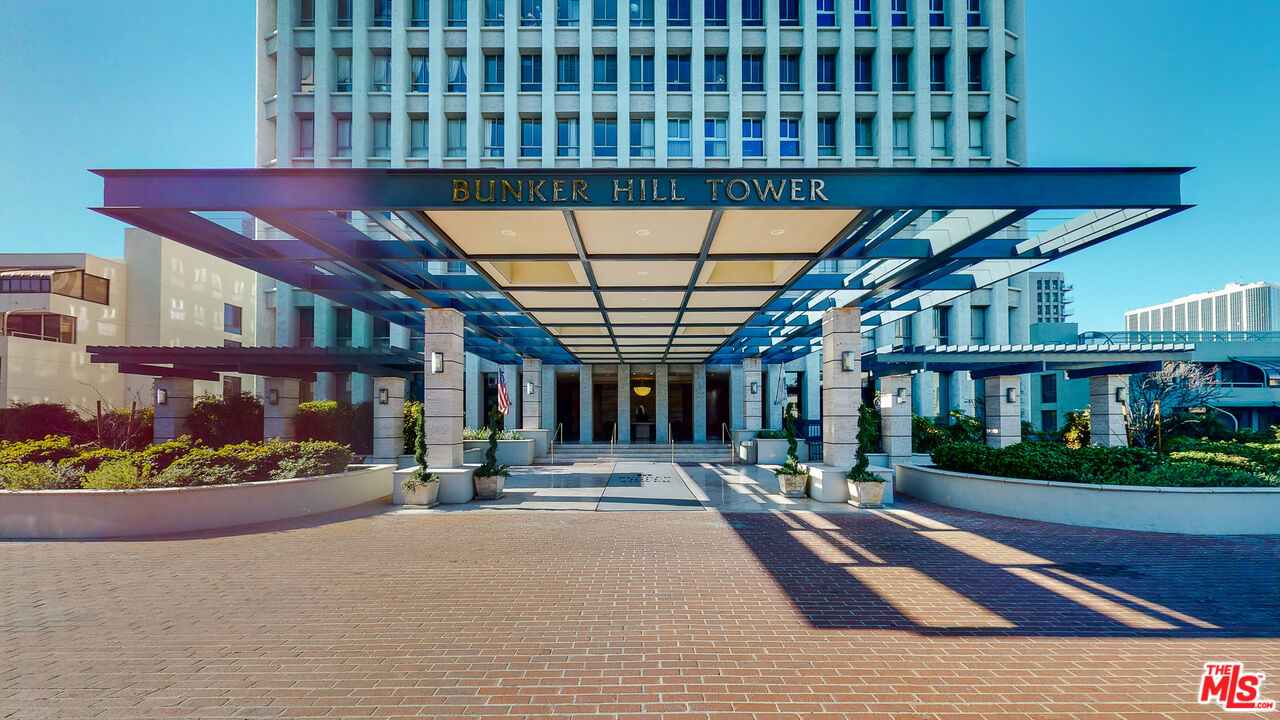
1177, 336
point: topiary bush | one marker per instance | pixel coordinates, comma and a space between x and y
217, 421
412, 425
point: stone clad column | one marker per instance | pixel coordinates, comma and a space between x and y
1106, 412
280, 408
443, 413
586, 389
388, 418
624, 403
895, 417
661, 404
752, 393
774, 394
173, 416
841, 389
532, 407
699, 403
1003, 411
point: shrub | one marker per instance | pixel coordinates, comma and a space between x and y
33, 421
771, 435
155, 459
330, 421
484, 432
219, 421
869, 424
964, 457
926, 435
255, 462
48, 450
114, 475
30, 477
412, 422
126, 428
314, 458
87, 462
490, 467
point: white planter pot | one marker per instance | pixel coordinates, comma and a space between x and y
489, 487
427, 494
867, 494
510, 452
794, 486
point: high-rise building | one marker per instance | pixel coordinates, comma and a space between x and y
1241, 308
680, 83
1050, 297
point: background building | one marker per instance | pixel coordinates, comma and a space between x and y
1051, 297
613, 83
1236, 307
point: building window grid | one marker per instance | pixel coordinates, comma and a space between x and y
716, 132
567, 13
864, 72
642, 13
530, 137
642, 137
752, 13
531, 72
419, 78
642, 73
826, 72
419, 138
605, 74
342, 137
307, 13
494, 72
679, 13
495, 138
974, 14
789, 72
604, 13
828, 143
938, 71
568, 72
605, 137
342, 13
789, 13
716, 13
939, 131
902, 136
457, 13
752, 72
306, 73
419, 13
938, 13
826, 13
530, 13
977, 83
382, 13
716, 72
679, 72
862, 16
902, 71
457, 77
494, 13
567, 138
789, 137
864, 135
342, 74
753, 137
456, 137
679, 138
898, 13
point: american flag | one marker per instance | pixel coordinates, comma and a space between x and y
504, 400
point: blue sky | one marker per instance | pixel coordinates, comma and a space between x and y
158, 83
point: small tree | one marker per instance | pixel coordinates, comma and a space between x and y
491, 468
792, 466
866, 430
419, 476
1158, 396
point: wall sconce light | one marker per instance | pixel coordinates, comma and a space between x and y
643, 390
437, 363
384, 396
1120, 394
273, 397
1011, 395
849, 361
755, 388
162, 396
900, 396
528, 388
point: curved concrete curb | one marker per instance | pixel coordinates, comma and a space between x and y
1193, 511
85, 514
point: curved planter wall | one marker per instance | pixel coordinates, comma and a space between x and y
1196, 511
82, 514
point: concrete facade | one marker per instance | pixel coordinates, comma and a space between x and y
442, 391
895, 414
1002, 416
280, 409
388, 419
1107, 397
841, 387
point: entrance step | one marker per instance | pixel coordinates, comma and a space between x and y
600, 453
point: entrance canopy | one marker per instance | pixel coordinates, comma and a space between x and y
983, 361
206, 363
641, 266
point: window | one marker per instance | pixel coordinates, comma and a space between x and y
942, 325
717, 137
418, 73
753, 137
419, 145
641, 13
494, 13
306, 327
381, 137
976, 83
827, 144
455, 137
307, 73
642, 137
905, 330
457, 73
789, 136
864, 135
679, 72
343, 14
752, 13
605, 74
941, 148
381, 333
901, 71
977, 136
679, 13
902, 137
530, 137
342, 137
642, 72
495, 137
789, 72
566, 138
1049, 388
864, 72
898, 13
530, 72
306, 137
605, 137
826, 13
494, 70
717, 72
307, 13
937, 13
938, 71
382, 13
49, 327
1048, 420
457, 13
231, 317
789, 13
752, 72
342, 326
975, 13
826, 72
978, 326
604, 13
531, 13
717, 13
380, 74
567, 13
419, 13
679, 144
567, 72
862, 13
342, 74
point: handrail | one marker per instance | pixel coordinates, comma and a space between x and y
724, 430
552, 445
671, 441
612, 439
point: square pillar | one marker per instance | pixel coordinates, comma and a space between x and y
473, 395
753, 392
699, 403
841, 389
775, 394
173, 417
325, 333
1107, 397
442, 411
1003, 411
531, 417
388, 419
624, 403
895, 417
280, 408
586, 389
661, 405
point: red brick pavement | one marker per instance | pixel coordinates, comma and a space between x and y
931, 613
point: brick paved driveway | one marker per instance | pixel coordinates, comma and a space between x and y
919, 612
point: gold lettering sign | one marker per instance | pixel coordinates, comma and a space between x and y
766, 191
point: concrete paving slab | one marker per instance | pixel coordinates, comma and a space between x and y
646, 486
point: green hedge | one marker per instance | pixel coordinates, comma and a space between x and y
1107, 466
329, 421
483, 434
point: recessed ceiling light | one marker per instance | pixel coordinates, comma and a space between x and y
777, 231
642, 232
642, 272
509, 233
